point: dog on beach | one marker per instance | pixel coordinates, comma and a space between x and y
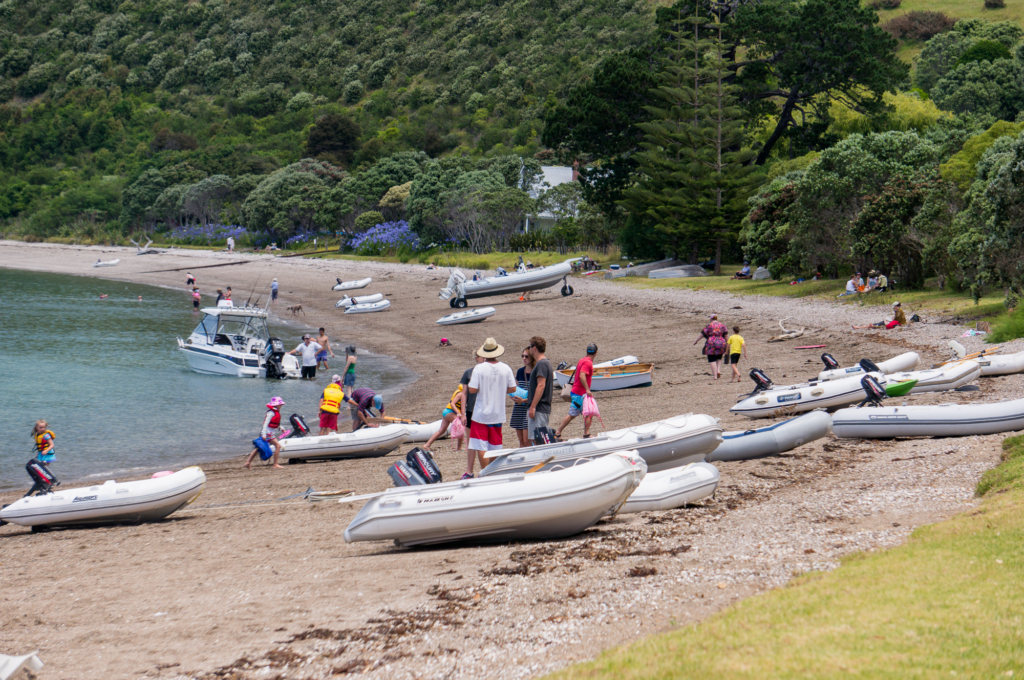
295, 309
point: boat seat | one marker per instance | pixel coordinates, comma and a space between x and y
221, 339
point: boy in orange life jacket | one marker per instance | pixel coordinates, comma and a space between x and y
271, 427
330, 405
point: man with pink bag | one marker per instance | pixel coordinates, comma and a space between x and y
582, 376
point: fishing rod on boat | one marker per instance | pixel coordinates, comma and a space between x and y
254, 290
263, 292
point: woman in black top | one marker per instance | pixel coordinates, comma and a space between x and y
520, 412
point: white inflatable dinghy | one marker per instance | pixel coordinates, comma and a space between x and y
467, 316
372, 307
367, 442
145, 500
421, 432
507, 507
783, 401
621, 361
106, 263
1001, 364
904, 362
774, 439
662, 444
673, 488
353, 285
361, 300
940, 420
942, 379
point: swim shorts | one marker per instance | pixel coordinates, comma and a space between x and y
309, 371
447, 412
349, 380
576, 405
321, 356
329, 420
485, 437
732, 359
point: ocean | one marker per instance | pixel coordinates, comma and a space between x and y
107, 376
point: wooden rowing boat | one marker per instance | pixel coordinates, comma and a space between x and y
613, 377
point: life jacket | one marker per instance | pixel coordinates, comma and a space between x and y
275, 421
333, 396
41, 441
455, 403
195, 295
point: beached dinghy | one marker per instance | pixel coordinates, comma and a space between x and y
942, 379
367, 309
1001, 364
774, 439
621, 361
523, 280
940, 420
353, 285
663, 444
105, 263
467, 316
421, 432
904, 362
361, 300
503, 508
613, 377
769, 401
368, 442
673, 488
146, 500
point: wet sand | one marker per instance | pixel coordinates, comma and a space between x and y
270, 589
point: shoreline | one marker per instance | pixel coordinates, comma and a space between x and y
239, 588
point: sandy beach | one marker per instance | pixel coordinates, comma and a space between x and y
232, 588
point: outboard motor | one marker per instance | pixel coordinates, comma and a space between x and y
876, 393
273, 357
454, 287
762, 381
403, 475
562, 365
299, 427
830, 362
869, 366
43, 480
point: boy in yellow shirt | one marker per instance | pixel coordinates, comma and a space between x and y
736, 347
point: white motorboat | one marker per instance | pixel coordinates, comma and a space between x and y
621, 361
792, 399
105, 263
143, 501
663, 444
942, 379
774, 439
467, 316
367, 442
939, 420
236, 341
613, 377
381, 306
360, 300
353, 285
521, 281
673, 488
904, 362
1001, 364
507, 507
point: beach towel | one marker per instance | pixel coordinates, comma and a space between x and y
590, 408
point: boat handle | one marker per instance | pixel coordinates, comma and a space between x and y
391, 502
519, 457
645, 437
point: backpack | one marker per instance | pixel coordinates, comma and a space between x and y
404, 475
422, 463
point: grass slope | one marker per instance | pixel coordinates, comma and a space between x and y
948, 603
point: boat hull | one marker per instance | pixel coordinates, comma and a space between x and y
662, 444
145, 500
468, 316
370, 308
943, 379
360, 300
534, 279
511, 507
903, 362
941, 420
1001, 364
353, 285
209, 362
612, 381
774, 439
372, 442
784, 401
674, 488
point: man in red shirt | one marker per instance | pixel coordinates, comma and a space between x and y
582, 376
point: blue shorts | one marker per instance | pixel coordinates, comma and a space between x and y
321, 356
349, 380
576, 405
46, 458
447, 412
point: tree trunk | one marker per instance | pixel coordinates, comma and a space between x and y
718, 256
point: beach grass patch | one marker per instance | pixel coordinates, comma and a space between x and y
1008, 327
945, 604
1009, 473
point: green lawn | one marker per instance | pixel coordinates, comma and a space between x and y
960, 9
946, 604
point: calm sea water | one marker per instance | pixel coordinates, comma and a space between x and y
108, 378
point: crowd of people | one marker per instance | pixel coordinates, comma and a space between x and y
876, 282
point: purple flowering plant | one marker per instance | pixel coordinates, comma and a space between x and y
205, 234
385, 239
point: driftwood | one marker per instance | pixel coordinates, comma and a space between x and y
144, 250
786, 335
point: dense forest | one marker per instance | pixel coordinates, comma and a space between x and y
785, 128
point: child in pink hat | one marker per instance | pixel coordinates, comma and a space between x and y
271, 427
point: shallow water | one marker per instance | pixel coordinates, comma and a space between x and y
108, 378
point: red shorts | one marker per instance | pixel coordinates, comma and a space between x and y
328, 420
892, 324
484, 437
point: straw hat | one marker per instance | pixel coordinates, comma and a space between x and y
490, 349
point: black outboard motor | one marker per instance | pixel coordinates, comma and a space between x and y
299, 427
43, 480
830, 362
869, 366
762, 381
876, 393
273, 358
562, 365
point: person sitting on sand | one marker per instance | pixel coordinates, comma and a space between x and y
271, 428
898, 319
743, 273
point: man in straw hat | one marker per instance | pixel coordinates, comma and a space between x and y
491, 382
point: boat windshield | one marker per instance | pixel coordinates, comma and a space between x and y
227, 324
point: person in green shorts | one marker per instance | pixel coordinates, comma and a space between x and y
736, 347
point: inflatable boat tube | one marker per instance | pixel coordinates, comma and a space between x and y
1001, 364
783, 401
774, 439
904, 362
942, 379
673, 488
940, 420
353, 285
381, 306
360, 300
368, 442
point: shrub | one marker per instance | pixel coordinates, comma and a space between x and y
368, 220
353, 92
984, 50
995, 4
1010, 328
918, 25
884, 4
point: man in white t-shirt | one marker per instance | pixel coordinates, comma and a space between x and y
308, 348
231, 244
491, 382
